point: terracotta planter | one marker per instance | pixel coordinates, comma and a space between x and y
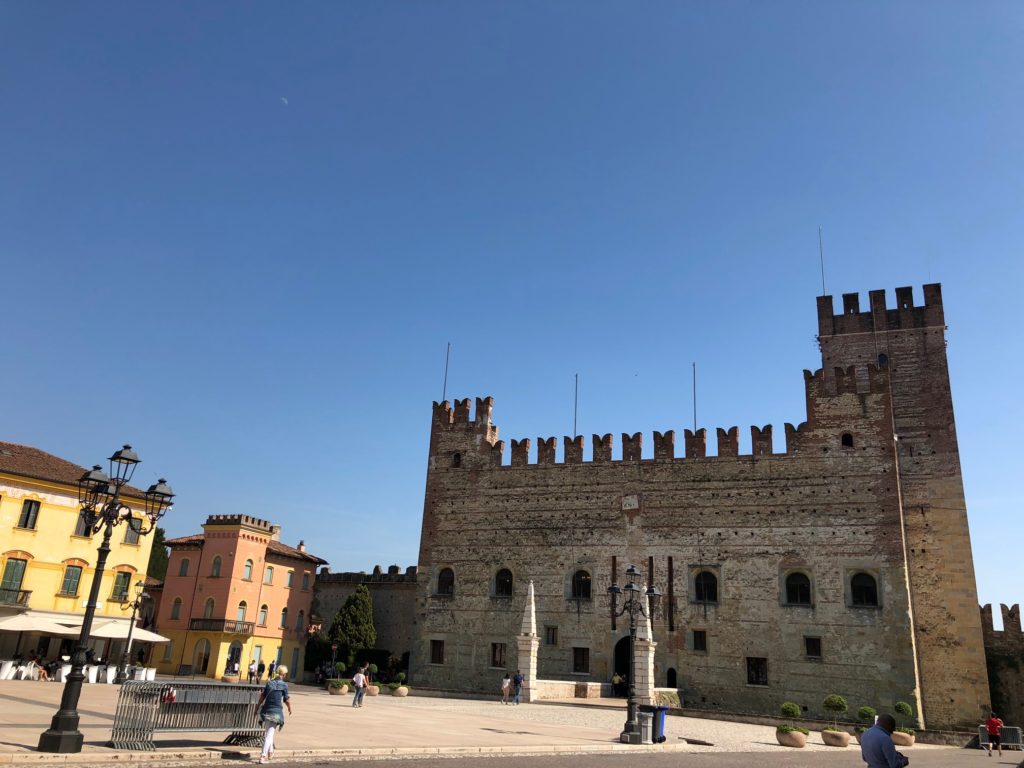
338, 691
902, 739
373, 690
792, 739
835, 738
229, 678
400, 691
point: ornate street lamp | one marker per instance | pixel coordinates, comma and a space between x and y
99, 495
141, 596
634, 605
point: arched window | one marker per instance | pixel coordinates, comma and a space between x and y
247, 571
456, 459
208, 608
798, 589
705, 587
503, 583
446, 582
846, 440
581, 585
300, 622
268, 575
883, 360
215, 567
284, 618
262, 619
176, 608
240, 616
183, 567
863, 590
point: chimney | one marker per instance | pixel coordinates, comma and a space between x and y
302, 545
275, 533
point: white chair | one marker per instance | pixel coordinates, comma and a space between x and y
63, 672
90, 673
140, 673
151, 674
6, 670
111, 674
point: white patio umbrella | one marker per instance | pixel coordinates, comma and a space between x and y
117, 630
29, 622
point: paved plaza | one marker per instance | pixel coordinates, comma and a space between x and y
326, 727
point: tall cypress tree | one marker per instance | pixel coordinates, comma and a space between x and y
157, 567
353, 627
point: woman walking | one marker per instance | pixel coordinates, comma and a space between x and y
506, 688
272, 702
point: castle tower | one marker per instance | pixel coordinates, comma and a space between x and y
910, 340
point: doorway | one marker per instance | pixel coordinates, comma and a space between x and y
201, 658
670, 681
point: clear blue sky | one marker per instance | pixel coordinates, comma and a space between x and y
239, 235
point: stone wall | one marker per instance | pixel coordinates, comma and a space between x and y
827, 508
393, 595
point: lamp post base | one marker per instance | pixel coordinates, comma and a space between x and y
631, 737
63, 736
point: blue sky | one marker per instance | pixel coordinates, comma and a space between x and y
239, 236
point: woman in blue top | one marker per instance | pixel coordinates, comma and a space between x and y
272, 702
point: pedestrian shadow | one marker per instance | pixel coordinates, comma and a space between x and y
516, 733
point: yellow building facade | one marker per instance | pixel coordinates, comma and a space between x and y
48, 558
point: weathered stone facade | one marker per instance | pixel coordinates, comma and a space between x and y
1004, 652
393, 595
841, 565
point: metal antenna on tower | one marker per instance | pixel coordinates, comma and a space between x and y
444, 390
576, 407
821, 259
695, 398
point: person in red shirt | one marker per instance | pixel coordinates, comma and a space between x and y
993, 726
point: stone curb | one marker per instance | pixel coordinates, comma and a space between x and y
285, 755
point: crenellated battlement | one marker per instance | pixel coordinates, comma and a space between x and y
1011, 631
879, 317
394, 575
246, 520
869, 379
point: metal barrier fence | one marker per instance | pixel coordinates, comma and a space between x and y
145, 708
1009, 735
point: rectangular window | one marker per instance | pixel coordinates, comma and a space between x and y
183, 568
288, 579
121, 582
757, 671
437, 651
72, 575
29, 514
498, 655
305, 582
82, 525
167, 650
268, 575
700, 640
10, 586
550, 635
581, 660
812, 646
131, 530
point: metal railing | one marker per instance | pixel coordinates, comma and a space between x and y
1009, 735
14, 596
145, 708
222, 625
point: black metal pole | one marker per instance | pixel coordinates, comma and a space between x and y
63, 734
122, 668
631, 730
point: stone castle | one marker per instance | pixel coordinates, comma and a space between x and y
840, 565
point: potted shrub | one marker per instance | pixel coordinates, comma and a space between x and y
902, 736
865, 715
339, 669
787, 734
835, 705
371, 689
336, 687
399, 688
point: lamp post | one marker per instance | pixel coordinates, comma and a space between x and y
633, 605
141, 596
99, 495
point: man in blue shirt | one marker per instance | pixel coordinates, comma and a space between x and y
876, 745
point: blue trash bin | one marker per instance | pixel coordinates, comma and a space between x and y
658, 731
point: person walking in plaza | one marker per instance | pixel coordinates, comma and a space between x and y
252, 671
517, 686
271, 707
876, 747
506, 688
359, 683
270, 669
994, 726
260, 669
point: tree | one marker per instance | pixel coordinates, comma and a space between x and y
157, 568
353, 627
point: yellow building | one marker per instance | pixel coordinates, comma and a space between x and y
47, 557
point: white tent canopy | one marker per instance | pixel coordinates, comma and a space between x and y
118, 630
29, 622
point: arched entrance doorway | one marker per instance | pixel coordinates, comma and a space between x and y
670, 680
234, 658
621, 664
201, 658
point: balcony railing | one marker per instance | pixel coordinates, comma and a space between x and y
221, 625
17, 597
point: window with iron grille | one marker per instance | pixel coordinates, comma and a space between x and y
29, 514
757, 671
581, 660
503, 583
700, 640
812, 646
864, 590
446, 582
437, 651
798, 589
498, 655
705, 588
550, 635
581, 585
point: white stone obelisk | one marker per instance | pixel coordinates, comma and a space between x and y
528, 643
643, 660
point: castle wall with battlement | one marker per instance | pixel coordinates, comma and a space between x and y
827, 507
392, 593
1004, 652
